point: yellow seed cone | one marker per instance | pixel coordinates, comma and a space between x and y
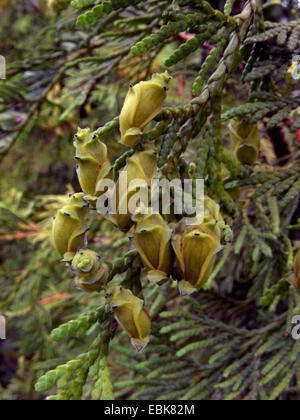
143, 102
196, 248
92, 161
153, 239
131, 315
140, 169
91, 274
69, 226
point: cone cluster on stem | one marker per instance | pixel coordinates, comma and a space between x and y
163, 243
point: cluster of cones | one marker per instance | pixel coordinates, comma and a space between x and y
163, 244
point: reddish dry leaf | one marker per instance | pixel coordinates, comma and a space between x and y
54, 298
185, 36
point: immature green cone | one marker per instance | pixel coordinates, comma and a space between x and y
93, 164
196, 249
246, 139
143, 102
58, 5
91, 273
131, 315
297, 270
153, 238
69, 228
140, 168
